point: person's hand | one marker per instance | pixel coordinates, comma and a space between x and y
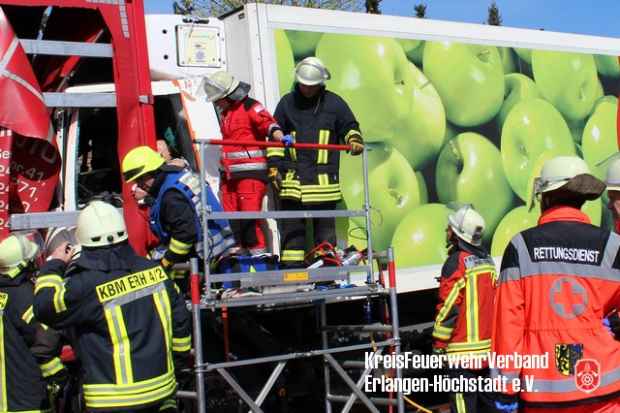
357, 145
63, 252
275, 178
287, 140
507, 403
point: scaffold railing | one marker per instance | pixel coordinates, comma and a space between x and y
203, 296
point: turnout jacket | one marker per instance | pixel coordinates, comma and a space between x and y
465, 308
28, 349
557, 282
311, 176
174, 218
128, 320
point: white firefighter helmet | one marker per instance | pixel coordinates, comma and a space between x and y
613, 175
311, 71
99, 225
17, 250
219, 85
467, 224
558, 171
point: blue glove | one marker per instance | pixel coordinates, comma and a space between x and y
507, 407
287, 140
607, 325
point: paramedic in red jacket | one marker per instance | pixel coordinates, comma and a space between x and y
558, 281
244, 168
465, 310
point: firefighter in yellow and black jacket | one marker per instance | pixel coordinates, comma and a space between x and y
28, 349
308, 179
130, 325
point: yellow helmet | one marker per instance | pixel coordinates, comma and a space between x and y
140, 161
16, 251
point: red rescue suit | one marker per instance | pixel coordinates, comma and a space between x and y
464, 312
557, 283
243, 183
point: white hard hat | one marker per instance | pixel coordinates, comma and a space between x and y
219, 85
16, 251
613, 175
558, 171
311, 71
99, 225
467, 224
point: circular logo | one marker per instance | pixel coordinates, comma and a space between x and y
568, 298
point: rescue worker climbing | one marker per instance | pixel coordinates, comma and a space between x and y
175, 204
244, 168
28, 349
130, 324
464, 312
309, 179
558, 281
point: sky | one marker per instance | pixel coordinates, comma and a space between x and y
571, 16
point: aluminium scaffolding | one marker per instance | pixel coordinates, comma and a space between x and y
203, 297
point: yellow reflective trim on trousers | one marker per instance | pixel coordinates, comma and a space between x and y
460, 403
3, 398
28, 315
160, 299
138, 387
447, 305
181, 344
51, 367
119, 399
321, 158
121, 351
321, 198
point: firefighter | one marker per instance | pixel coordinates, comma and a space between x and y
175, 202
463, 326
130, 324
244, 168
613, 191
558, 281
308, 179
28, 349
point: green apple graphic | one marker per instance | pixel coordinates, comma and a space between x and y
303, 43
576, 129
508, 59
568, 80
414, 49
468, 168
607, 65
469, 79
524, 54
394, 190
517, 220
518, 88
420, 238
599, 140
285, 62
532, 127
391, 98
